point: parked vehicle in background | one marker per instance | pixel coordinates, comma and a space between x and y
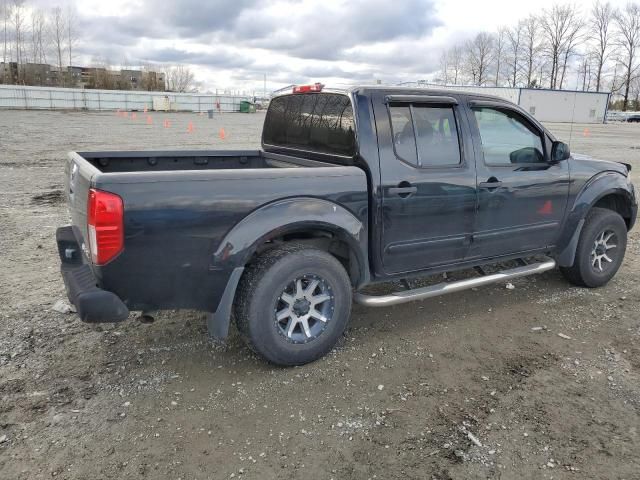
352, 187
635, 118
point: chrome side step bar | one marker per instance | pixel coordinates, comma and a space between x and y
450, 287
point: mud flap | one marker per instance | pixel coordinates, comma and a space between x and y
566, 257
218, 322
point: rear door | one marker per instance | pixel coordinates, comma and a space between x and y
522, 195
428, 182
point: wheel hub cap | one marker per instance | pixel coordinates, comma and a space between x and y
304, 309
301, 307
603, 250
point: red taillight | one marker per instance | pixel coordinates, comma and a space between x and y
105, 213
316, 87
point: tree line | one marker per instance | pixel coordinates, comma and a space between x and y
598, 48
35, 39
36, 36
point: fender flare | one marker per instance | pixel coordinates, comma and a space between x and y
273, 220
599, 186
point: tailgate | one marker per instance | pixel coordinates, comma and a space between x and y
78, 176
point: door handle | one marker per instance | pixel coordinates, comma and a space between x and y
403, 191
490, 184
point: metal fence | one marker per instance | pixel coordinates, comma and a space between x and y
47, 98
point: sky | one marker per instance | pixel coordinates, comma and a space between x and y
234, 44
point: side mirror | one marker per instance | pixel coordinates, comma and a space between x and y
560, 151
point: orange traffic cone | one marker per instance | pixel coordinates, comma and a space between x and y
586, 133
167, 123
222, 134
149, 120
190, 128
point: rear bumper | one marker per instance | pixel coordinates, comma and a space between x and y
92, 303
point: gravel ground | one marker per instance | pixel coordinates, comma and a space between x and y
476, 385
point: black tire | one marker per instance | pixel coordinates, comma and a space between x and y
587, 270
260, 297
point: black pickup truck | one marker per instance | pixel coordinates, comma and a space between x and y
351, 187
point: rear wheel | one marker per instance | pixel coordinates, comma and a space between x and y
293, 304
600, 250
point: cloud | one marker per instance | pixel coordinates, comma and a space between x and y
292, 39
325, 31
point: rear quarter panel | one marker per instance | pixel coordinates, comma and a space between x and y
175, 221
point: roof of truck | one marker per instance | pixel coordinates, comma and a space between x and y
364, 88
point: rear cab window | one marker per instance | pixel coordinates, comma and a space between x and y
316, 122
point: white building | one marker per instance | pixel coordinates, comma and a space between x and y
563, 106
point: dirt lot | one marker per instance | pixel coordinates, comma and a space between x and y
396, 399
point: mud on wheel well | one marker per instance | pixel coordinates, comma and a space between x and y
617, 203
323, 240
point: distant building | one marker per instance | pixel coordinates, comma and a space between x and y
133, 77
9, 72
40, 74
564, 106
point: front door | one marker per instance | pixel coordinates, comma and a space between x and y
522, 195
428, 185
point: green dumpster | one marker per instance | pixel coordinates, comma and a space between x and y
247, 107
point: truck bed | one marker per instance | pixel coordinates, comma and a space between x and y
162, 161
179, 207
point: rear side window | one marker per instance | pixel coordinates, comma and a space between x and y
425, 136
319, 122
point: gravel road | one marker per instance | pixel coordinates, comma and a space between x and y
539, 381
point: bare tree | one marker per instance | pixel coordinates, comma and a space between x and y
513, 50
584, 71
479, 56
531, 48
456, 58
4, 10
628, 40
38, 26
444, 66
57, 39
560, 26
499, 49
574, 35
71, 32
634, 92
179, 78
18, 18
600, 21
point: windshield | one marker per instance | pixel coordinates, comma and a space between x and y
319, 122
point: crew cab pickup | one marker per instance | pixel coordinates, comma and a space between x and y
351, 187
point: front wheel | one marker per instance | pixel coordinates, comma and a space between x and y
600, 250
293, 304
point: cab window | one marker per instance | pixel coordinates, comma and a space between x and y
425, 136
507, 138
